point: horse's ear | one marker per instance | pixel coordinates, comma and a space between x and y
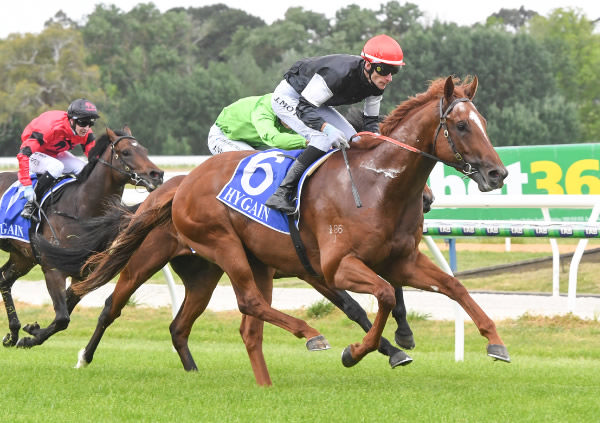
449, 89
127, 130
111, 134
471, 89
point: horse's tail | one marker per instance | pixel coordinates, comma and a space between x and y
107, 264
96, 234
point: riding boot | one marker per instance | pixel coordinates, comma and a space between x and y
29, 210
45, 182
282, 198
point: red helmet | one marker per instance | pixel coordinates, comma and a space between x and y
383, 49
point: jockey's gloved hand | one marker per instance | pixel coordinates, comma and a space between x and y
28, 193
337, 137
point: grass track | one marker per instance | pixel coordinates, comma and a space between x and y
136, 377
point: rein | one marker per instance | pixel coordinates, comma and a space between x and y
127, 169
462, 166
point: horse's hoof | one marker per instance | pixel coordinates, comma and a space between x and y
8, 340
31, 328
400, 359
498, 352
317, 343
405, 341
347, 359
25, 343
81, 361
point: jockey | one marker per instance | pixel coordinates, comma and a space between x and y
46, 142
304, 99
251, 124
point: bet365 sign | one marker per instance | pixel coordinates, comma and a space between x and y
543, 169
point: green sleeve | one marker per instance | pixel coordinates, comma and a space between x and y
271, 131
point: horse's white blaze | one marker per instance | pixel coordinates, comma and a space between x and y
473, 116
388, 173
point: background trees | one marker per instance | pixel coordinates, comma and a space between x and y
168, 75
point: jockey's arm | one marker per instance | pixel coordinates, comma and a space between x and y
371, 113
314, 95
266, 124
28, 147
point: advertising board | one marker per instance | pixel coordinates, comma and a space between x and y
565, 169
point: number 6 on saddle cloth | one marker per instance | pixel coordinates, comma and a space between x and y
256, 178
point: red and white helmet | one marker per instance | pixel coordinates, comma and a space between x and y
383, 49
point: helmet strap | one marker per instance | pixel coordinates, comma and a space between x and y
370, 72
72, 125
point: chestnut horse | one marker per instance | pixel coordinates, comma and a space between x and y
116, 160
162, 245
380, 238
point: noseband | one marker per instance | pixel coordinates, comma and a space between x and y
114, 155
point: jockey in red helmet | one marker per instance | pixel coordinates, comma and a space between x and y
46, 142
305, 98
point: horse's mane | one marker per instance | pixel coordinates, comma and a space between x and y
435, 91
96, 152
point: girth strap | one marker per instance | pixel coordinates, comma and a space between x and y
299, 246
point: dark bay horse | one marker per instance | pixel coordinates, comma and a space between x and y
381, 238
116, 160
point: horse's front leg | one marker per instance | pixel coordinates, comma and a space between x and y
423, 274
351, 308
8, 276
251, 301
56, 284
72, 298
353, 275
251, 328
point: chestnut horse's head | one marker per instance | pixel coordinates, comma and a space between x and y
456, 134
467, 141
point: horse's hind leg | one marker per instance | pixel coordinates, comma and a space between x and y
200, 278
345, 302
404, 335
138, 270
8, 275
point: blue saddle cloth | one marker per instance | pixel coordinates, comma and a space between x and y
12, 225
255, 179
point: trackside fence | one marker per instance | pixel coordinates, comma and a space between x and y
507, 228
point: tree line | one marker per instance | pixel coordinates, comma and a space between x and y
168, 75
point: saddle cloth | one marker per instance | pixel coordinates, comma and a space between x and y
12, 225
257, 177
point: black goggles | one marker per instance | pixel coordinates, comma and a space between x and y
85, 122
384, 69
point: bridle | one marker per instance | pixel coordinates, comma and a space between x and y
127, 169
461, 166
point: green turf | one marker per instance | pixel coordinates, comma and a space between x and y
136, 376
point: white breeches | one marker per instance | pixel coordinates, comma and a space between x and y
284, 102
65, 162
